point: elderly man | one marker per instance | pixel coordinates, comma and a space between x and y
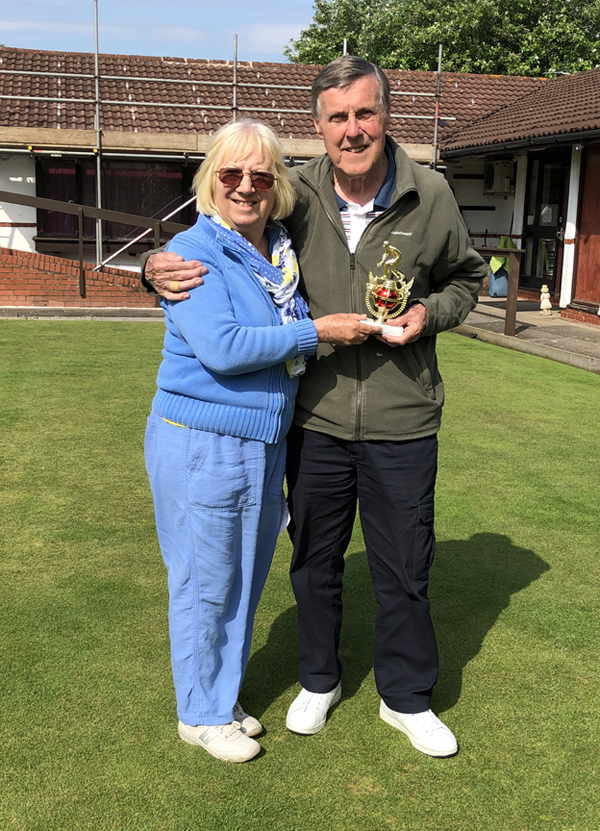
367, 417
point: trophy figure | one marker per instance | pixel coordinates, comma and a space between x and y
388, 295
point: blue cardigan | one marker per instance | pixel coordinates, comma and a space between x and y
225, 348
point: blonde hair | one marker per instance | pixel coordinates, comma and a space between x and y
239, 140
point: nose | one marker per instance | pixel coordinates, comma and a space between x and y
246, 186
353, 127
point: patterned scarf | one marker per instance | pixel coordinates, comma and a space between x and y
280, 277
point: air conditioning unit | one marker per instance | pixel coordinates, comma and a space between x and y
498, 177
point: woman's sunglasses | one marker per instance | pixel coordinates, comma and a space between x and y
232, 177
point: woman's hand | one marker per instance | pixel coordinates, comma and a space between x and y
343, 329
172, 276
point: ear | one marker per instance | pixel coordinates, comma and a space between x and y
388, 120
317, 127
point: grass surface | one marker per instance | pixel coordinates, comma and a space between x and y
88, 714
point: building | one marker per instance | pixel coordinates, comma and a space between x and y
546, 148
501, 141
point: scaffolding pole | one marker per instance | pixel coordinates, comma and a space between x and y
234, 91
98, 148
436, 117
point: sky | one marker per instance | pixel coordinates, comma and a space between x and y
168, 28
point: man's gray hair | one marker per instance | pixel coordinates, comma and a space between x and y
341, 73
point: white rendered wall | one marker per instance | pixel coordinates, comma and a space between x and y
469, 192
17, 175
520, 188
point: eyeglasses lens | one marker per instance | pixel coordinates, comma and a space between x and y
232, 176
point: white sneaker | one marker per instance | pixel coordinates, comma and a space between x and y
308, 711
249, 725
223, 741
425, 731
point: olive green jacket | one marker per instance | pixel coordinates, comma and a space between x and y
375, 391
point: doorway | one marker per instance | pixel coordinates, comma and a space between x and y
543, 230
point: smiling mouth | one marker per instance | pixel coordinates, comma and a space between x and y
356, 150
243, 203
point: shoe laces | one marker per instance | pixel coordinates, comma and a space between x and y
307, 699
428, 721
226, 731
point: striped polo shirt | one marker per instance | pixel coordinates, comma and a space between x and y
355, 218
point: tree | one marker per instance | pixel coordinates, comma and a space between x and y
515, 37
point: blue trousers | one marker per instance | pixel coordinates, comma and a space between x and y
219, 507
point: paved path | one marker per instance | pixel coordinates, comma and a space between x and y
548, 336
75, 313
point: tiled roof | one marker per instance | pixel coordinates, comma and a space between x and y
560, 107
465, 97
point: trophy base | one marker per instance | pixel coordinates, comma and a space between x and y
393, 331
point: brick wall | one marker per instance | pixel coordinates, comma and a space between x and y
535, 296
30, 279
580, 317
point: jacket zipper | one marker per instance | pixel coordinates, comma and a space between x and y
356, 299
358, 363
357, 359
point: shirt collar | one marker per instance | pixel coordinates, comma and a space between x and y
384, 195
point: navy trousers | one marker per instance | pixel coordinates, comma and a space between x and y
393, 484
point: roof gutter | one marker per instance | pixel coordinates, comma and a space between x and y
520, 144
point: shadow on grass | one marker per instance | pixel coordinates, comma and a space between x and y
273, 668
471, 583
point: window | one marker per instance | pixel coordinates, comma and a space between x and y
142, 188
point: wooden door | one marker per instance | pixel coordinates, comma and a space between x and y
587, 274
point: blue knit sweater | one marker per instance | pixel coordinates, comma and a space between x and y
225, 348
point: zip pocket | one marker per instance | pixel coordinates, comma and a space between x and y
421, 370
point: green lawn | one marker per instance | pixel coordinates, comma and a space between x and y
88, 736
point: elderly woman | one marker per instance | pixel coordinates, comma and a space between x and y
215, 450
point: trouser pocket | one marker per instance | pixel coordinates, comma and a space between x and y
424, 540
222, 471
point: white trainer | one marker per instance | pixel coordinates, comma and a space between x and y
308, 711
223, 741
425, 731
249, 725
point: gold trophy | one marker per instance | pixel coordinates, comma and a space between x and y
388, 295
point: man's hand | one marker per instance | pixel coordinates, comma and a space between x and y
413, 320
172, 276
343, 329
